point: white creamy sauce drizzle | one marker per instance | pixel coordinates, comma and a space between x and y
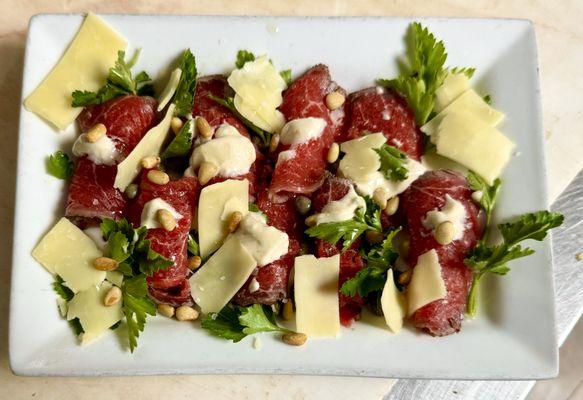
265, 243
231, 152
361, 164
101, 152
302, 130
148, 217
96, 235
297, 132
452, 211
341, 210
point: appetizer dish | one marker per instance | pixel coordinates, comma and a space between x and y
271, 200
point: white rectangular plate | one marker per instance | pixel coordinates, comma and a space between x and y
514, 335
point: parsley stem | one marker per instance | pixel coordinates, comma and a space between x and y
472, 306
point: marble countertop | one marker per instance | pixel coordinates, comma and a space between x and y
560, 39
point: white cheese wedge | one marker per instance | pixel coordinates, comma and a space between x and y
84, 66
393, 304
265, 243
69, 253
474, 144
361, 165
170, 89
221, 277
472, 106
94, 316
114, 277
453, 86
150, 145
216, 204
426, 284
316, 295
258, 87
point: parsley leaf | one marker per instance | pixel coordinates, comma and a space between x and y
59, 165
485, 259
119, 82
467, 71
489, 193
136, 310
181, 144
228, 102
242, 57
234, 323
380, 259
422, 74
193, 247
67, 294
184, 96
287, 76
392, 163
138, 261
63, 291
365, 219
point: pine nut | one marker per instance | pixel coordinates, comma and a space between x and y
333, 153
288, 310
444, 233
194, 262
105, 264
95, 133
380, 197
132, 191
206, 172
579, 257
234, 221
294, 339
203, 128
166, 310
176, 125
273, 143
334, 100
158, 177
150, 162
112, 297
392, 206
186, 313
311, 220
374, 237
405, 277
303, 204
166, 219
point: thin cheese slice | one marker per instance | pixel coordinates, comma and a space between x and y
393, 304
426, 285
316, 295
150, 145
474, 144
170, 89
472, 106
453, 86
114, 277
221, 277
84, 66
69, 253
258, 87
217, 203
94, 316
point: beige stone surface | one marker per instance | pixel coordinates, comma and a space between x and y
560, 37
